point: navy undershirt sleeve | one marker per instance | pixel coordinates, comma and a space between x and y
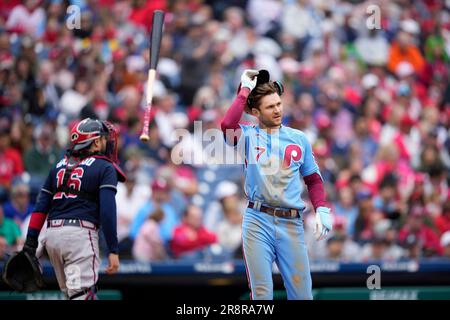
108, 218
108, 214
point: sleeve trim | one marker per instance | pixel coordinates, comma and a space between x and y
108, 186
45, 190
312, 172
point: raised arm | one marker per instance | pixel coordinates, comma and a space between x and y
230, 123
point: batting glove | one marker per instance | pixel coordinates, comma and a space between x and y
324, 223
248, 79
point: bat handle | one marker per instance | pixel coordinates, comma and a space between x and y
144, 137
151, 79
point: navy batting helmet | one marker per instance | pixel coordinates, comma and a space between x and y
86, 131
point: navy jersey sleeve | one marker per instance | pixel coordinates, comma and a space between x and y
108, 178
108, 216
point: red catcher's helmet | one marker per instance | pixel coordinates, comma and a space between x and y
86, 131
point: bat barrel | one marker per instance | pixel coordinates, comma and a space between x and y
156, 35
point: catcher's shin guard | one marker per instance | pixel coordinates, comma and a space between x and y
87, 294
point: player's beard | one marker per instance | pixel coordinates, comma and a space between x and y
103, 146
271, 122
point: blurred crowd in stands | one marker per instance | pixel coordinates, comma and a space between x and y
374, 102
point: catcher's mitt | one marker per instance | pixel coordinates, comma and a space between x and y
22, 273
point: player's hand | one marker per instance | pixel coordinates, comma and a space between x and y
324, 223
30, 246
248, 78
113, 263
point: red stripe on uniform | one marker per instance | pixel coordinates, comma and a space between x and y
93, 256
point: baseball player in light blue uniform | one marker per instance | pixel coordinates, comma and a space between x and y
276, 159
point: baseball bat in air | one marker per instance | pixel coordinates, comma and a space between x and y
155, 43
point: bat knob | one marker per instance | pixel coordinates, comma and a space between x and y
144, 137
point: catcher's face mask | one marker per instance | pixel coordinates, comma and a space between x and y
112, 141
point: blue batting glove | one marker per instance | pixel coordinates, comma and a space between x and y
324, 223
248, 79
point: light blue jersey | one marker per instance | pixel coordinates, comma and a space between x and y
274, 164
